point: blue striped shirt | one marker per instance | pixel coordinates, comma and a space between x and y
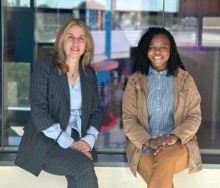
160, 103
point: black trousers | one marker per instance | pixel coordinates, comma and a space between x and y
74, 165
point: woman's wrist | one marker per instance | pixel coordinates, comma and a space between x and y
149, 142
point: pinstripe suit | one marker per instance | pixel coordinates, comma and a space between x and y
50, 103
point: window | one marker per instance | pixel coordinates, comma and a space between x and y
29, 30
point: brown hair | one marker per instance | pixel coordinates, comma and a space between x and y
58, 54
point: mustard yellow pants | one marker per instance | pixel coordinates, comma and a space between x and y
158, 170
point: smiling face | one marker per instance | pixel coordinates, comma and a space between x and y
159, 52
74, 42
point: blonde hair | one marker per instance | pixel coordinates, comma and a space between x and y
58, 54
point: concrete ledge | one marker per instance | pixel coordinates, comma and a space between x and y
109, 177
112, 171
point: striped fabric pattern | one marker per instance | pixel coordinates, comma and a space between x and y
50, 103
160, 103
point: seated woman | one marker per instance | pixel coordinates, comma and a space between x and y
161, 112
65, 110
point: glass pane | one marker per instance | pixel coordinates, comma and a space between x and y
29, 34
198, 61
95, 20
76, 4
18, 83
126, 29
211, 32
61, 4
147, 5
111, 87
184, 30
16, 3
48, 24
203, 64
16, 102
18, 41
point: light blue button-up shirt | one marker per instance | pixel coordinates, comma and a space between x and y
65, 139
160, 103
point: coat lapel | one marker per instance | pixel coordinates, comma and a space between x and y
86, 93
179, 81
143, 81
140, 83
83, 87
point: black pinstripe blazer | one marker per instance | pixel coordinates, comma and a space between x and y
50, 103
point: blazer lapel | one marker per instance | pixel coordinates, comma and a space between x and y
65, 86
87, 93
84, 88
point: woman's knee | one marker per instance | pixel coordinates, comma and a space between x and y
174, 158
84, 165
172, 153
181, 163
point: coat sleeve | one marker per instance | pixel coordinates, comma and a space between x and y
190, 116
131, 121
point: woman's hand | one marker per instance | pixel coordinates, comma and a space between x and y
80, 145
88, 154
156, 142
83, 147
163, 142
171, 139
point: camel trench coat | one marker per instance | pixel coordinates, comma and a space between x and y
187, 117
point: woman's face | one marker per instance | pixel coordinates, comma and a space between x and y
74, 42
159, 52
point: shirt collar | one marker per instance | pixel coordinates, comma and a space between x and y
153, 71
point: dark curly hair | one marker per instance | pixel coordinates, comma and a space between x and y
141, 61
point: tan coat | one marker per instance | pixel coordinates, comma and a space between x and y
187, 117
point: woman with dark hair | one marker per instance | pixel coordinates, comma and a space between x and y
161, 112
65, 110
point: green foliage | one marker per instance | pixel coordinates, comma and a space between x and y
18, 83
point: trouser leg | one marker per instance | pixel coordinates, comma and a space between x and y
145, 166
74, 165
159, 169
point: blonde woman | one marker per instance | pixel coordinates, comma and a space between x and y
65, 110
